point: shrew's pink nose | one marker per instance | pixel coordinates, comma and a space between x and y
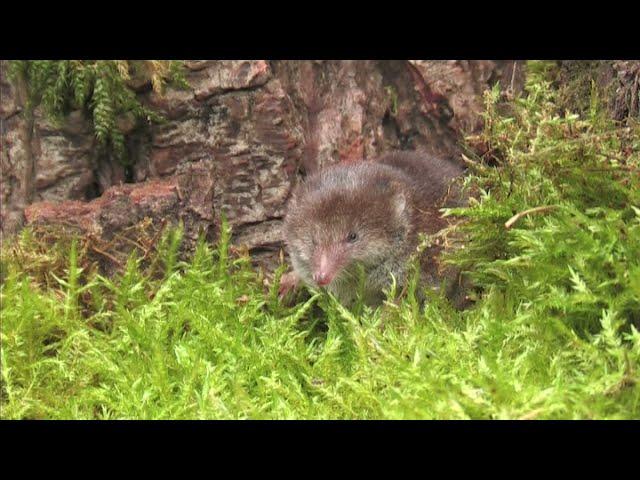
322, 278
324, 272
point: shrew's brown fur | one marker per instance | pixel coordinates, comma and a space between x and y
366, 216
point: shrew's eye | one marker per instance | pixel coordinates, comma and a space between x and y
352, 237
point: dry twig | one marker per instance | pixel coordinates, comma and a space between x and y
509, 223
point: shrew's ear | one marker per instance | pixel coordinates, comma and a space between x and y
392, 189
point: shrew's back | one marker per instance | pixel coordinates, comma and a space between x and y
431, 176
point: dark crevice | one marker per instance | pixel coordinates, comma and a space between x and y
129, 174
261, 222
137, 144
390, 128
92, 191
267, 248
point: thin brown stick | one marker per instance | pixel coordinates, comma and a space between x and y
468, 161
132, 242
109, 256
509, 223
154, 240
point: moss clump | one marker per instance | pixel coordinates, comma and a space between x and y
573, 253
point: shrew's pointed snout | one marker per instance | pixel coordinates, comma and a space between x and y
322, 278
326, 268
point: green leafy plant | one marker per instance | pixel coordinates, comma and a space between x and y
101, 88
556, 225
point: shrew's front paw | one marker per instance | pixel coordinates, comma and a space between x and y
288, 283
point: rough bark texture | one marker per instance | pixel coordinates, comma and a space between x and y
237, 141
